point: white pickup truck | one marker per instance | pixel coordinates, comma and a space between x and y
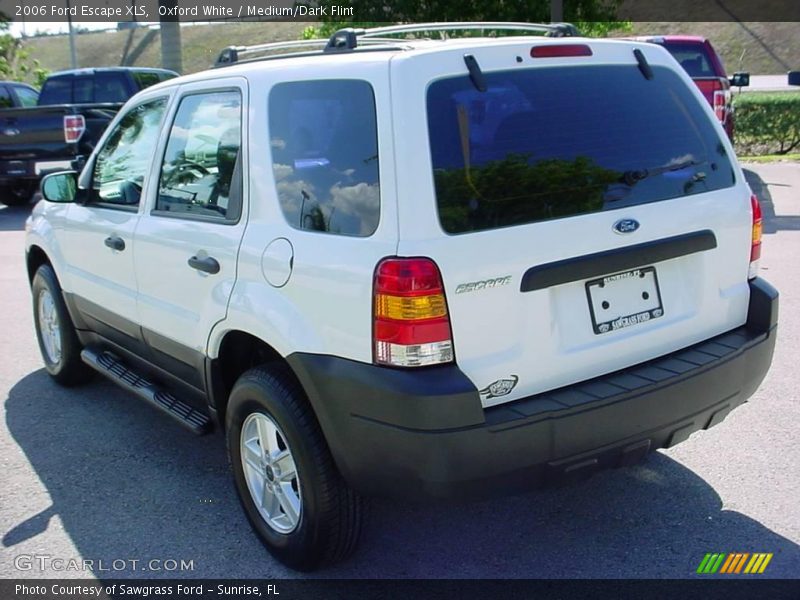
423, 268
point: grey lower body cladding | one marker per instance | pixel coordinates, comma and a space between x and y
424, 434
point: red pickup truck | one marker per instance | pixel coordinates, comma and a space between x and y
699, 59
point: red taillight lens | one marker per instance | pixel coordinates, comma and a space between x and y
755, 243
719, 94
411, 323
556, 50
74, 126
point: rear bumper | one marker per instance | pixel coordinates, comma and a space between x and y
424, 434
29, 172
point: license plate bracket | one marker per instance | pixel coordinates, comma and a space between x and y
624, 299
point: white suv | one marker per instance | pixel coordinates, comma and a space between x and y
419, 268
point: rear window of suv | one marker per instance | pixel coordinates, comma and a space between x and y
556, 142
692, 57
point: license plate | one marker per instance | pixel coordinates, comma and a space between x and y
624, 299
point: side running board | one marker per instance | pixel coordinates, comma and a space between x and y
115, 369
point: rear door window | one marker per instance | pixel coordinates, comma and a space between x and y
5, 98
324, 141
201, 172
556, 142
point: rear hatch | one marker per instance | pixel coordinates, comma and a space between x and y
584, 217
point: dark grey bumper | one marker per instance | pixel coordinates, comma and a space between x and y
421, 434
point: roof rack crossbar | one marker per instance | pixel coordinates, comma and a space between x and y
348, 38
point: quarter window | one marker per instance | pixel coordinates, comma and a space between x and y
201, 172
324, 142
124, 161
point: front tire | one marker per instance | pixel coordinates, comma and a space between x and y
288, 484
58, 342
16, 195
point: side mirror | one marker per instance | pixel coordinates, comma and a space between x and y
60, 187
793, 78
740, 80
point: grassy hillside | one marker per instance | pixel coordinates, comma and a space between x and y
761, 48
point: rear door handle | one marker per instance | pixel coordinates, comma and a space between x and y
207, 264
115, 243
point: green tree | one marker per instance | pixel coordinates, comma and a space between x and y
593, 18
15, 61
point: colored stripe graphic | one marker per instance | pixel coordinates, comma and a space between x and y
733, 563
711, 563
758, 563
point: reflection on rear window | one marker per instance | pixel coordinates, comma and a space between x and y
550, 143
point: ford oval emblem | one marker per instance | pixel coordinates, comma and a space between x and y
626, 226
10, 131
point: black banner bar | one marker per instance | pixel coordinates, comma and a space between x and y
35, 11
732, 588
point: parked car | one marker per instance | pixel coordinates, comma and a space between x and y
72, 111
14, 94
419, 269
699, 59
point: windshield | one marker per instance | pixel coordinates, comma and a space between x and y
555, 142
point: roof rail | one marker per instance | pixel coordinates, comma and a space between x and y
237, 54
350, 39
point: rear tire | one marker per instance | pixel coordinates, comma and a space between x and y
16, 194
58, 342
322, 520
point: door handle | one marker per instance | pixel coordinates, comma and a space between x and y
207, 264
115, 243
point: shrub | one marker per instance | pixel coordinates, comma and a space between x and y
767, 122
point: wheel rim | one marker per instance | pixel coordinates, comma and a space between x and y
271, 473
49, 328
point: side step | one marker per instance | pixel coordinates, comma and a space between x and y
115, 369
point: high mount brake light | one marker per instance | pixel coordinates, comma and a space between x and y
557, 50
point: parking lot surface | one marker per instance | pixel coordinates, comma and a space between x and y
94, 474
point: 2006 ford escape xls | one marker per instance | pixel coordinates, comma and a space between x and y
420, 268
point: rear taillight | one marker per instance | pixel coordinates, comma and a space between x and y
74, 126
722, 102
718, 90
411, 324
755, 240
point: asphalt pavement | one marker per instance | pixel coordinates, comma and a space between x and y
93, 474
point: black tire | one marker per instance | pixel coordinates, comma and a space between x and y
68, 369
17, 194
331, 516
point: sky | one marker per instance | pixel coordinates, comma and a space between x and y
18, 27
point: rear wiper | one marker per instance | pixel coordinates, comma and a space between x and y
634, 176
